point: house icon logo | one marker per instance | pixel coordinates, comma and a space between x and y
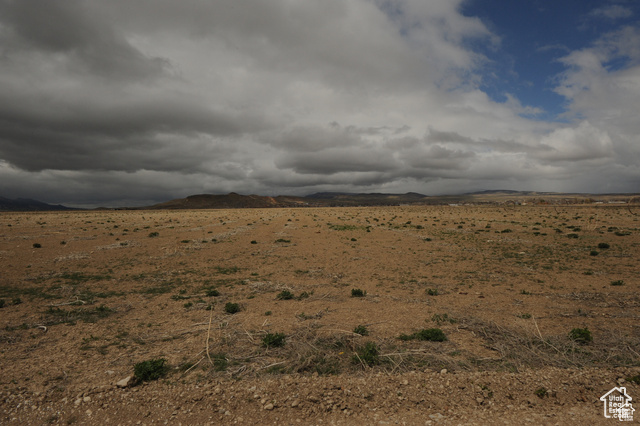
617, 405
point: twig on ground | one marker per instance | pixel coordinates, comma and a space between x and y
208, 335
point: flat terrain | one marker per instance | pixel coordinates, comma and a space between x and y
88, 295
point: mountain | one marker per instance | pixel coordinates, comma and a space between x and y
368, 199
25, 204
229, 201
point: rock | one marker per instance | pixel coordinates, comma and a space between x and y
86, 399
443, 371
125, 383
295, 403
269, 407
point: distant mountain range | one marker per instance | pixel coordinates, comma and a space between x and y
25, 204
343, 199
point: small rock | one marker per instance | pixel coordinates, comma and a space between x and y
443, 371
125, 383
295, 403
110, 372
86, 399
269, 407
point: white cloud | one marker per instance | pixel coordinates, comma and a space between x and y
612, 12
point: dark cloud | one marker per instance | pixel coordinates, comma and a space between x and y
68, 31
114, 102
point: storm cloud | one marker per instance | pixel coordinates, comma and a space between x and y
132, 102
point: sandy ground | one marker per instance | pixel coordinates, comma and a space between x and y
88, 295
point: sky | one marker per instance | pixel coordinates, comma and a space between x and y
133, 102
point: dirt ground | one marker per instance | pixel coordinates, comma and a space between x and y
535, 311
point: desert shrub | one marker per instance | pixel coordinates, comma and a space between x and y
211, 292
285, 295
572, 235
149, 370
603, 246
443, 318
356, 292
275, 340
432, 291
361, 330
220, 361
368, 354
2, 303
254, 242
617, 283
232, 308
594, 253
634, 379
431, 334
153, 234
282, 240
541, 392
37, 245
580, 335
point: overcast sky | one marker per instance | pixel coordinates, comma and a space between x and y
132, 102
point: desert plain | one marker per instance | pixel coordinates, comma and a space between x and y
377, 315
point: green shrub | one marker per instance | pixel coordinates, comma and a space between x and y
275, 340
356, 292
212, 292
617, 283
442, 318
153, 234
594, 253
634, 379
368, 354
232, 308
220, 362
580, 335
361, 330
432, 291
150, 370
603, 246
37, 245
285, 295
431, 334
541, 392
